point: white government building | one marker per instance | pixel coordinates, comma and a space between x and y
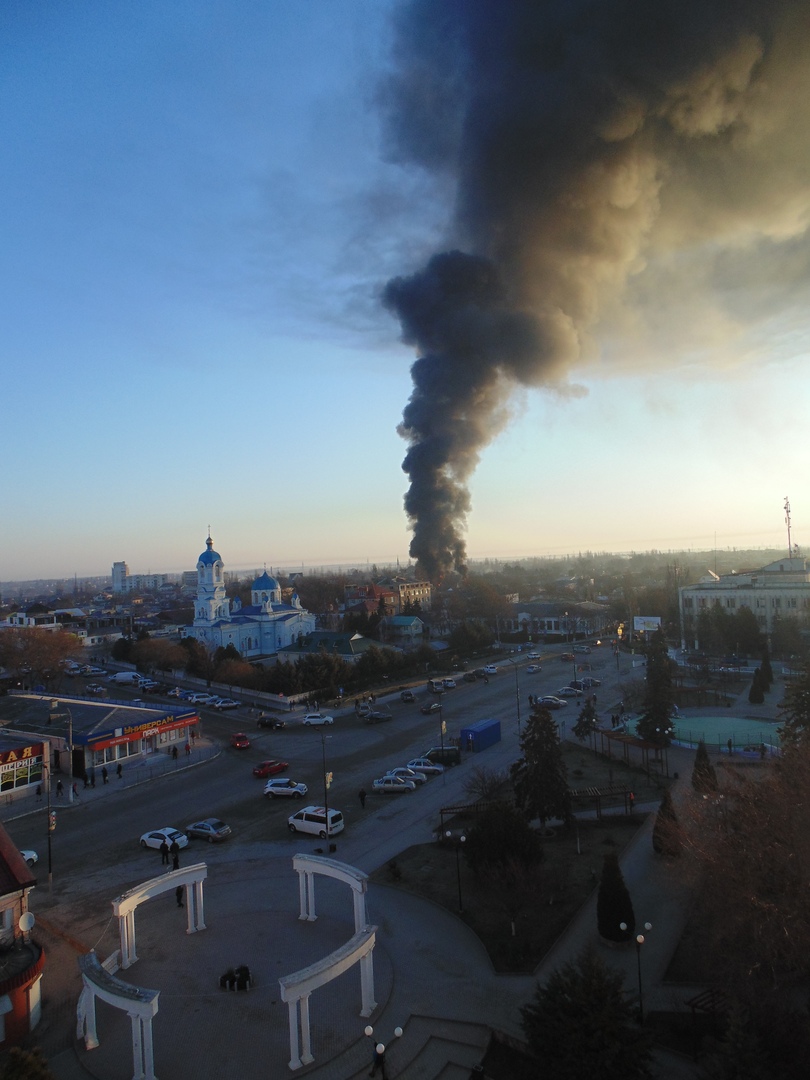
260, 628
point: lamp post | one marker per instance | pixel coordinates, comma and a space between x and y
459, 841
51, 821
517, 692
639, 942
70, 754
327, 777
379, 1051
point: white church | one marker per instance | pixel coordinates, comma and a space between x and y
258, 629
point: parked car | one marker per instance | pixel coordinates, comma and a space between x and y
210, 829
425, 765
270, 768
393, 785
435, 688
316, 718
449, 684
284, 789
589, 683
312, 819
444, 755
363, 709
582, 648
490, 669
30, 856
175, 692
569, 657
224, 703
431, 707
532, 669
551, 702
407, 696
201, 699
240, 741
568, 691
533, 656
407, 773
155, 839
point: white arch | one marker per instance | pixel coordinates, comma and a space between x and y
307, 866
140, 1005
296, 988
124, 906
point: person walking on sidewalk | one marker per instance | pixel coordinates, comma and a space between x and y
58, 788
120, 770
361, 795
104, 774
164, 853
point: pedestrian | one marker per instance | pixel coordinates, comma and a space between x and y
762, 752
176, 861
58, 788
104, 774
730, 745
39, 792
291, 705
188, 749
632, 801
361, 795
120, 770
178, 894
174, 753
92, 778
75, 791
86, 779
164, 853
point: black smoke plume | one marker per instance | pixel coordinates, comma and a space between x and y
579, 138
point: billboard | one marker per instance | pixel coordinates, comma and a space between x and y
646, 623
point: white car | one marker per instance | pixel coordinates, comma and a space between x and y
201, 699
490, 669
408, 774
155, 839
425, 765
225, 703
30, 856
315, 718
449, 684
533, 656
393, 785
284, 788
532, 669
568, 691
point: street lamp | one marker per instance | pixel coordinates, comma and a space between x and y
639, 943
459, 841
379, 1050
327, 778
517, 691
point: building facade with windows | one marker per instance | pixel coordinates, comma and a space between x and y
260, 628
779, 590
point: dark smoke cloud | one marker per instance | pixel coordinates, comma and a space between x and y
594, 146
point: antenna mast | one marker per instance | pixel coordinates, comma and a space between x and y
787, 522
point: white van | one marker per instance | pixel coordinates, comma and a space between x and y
129, 678
312, 819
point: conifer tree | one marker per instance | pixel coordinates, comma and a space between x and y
655, 724
539, 777
613, 903
666, 837
704, 778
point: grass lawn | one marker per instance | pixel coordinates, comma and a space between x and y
507, 922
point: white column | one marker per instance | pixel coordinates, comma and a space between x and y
86, 1026
311, 896
123, 934
367, 984
306, 1042
302, 895
359, 898
188, 899
292, 1016
133, 955
148, 1050
137, 1047
199, 909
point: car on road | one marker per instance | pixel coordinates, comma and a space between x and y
435, 688
431, 707
490, 669
590, 683
582, 648
175, 692
312, 819
532, 669
408, 773
210, 829
449, 684
314, 719
240, 741
407, 696
30, 856
225, 703
284, 789
533, 656
552, 702
270, 768
269, 721
393, 785
376, 716
155, 838
201, 699
568, 691
425, 765
569, 656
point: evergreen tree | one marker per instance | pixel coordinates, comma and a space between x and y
581, 1024
26, 1065
613, 903
796, 711
500, 842
704, 778
756, 695
767, 670
655, 724
586, 721
539, 777
666, 835
739, 1055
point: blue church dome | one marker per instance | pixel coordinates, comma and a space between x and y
209, 556
265, 583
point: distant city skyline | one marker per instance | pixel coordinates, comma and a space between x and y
208, 202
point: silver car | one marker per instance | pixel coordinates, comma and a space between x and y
284, 788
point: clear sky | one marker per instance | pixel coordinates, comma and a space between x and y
201, 208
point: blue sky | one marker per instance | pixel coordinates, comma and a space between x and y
199, 216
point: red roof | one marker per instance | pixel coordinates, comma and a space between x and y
15, 874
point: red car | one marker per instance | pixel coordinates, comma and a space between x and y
240, 740
270, 768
